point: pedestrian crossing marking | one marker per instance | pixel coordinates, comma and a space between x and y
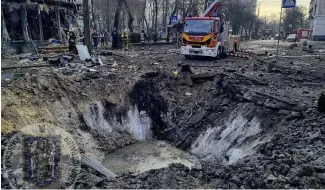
174, 19
289, 3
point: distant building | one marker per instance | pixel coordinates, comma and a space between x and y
317, 19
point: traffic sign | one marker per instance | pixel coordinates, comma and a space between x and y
174, 19
289, 3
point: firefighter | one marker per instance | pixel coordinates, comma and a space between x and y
125, 38
106, 37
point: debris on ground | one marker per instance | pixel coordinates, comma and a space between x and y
310, 49
83, 52
251, 123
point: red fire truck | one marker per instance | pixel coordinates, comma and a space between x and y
207, 35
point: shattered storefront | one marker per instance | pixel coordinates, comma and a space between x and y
27, 24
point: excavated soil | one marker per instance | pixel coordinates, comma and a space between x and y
250, 123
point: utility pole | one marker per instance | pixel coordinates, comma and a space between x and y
107, 17
86, 25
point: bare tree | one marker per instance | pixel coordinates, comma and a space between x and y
156, 14
117, 14
293, 18
131, 19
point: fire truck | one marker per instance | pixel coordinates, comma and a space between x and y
207, 35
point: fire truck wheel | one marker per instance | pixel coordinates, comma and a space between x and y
188, 57
219, 54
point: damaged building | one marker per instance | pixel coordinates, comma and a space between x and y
27, 24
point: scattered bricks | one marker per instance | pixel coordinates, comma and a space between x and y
254, 53
239, 55
310, 49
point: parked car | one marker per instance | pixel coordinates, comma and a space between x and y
276, 36
266, 37
292, 38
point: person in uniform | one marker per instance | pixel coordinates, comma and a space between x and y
106, 36
125, 39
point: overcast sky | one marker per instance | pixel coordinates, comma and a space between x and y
269, 7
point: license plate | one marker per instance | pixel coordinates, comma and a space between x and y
196, 51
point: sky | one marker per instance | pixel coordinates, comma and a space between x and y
271, 7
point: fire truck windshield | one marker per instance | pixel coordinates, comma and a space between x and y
198, 26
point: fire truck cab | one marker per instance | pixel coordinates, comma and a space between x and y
204, 36
207, 35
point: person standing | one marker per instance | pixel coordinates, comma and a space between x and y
102, 40
160, 34
106, 36
114, 38
125, 38
95, 38
72, 41
143, 37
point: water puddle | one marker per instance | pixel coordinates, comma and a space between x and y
8, 77
145, 156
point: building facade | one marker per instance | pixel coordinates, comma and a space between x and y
317, 20
28, 24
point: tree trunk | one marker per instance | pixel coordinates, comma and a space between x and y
165, 13
117, 14
144, 15
93, 15
107, 17
147, 25
131, 19
156, 15
152, 15
172, 14
123, 20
